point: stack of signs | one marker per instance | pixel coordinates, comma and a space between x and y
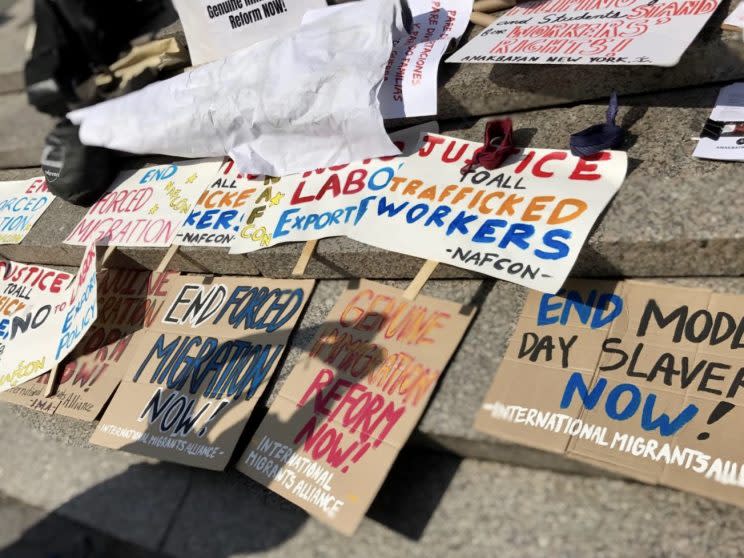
21, 203
722, 137
642, 379
127, 301
191, 379
36, 338
410, 86
227, 208
590, 32
348, 407
145, 207
524, 222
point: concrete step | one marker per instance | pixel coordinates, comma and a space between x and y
23, 131
16, 17
432, 504
674, 215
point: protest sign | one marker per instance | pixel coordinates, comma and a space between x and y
348, 407
735, 20
722, 137
217, 28
22, 202
36, 339
128, 300
192, 378
224, 208
410, 86
146, 206
524, 222
621, 32
638, 378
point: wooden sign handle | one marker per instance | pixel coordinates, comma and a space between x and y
307, 252
163, 265
51, 386
420, 280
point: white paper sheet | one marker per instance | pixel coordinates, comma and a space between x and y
410, 87
216, 28
22, 202
729, 115
278, 107
735, 20
621, 32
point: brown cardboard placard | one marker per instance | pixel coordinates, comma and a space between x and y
349, 405
642, 379
128, 300
193, 377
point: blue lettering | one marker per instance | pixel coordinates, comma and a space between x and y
561, 249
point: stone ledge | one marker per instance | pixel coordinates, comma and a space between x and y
674, 215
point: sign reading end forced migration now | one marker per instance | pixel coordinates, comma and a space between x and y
642, 379
348, 407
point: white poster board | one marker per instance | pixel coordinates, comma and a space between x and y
217, 28
145, 207
37, 339
410, 86
621, 32
22, 202
722, 137
524, 222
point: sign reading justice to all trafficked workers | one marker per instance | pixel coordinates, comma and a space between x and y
22, 202
145, 207
191, 380
348, 407
642, 32
35, 339
524, 222
128, 300
642, 379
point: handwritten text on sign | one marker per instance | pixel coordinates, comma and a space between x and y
524, 222
145, 207
643, 379
590, 32
346, 410
192, 379
22, 202
36, 339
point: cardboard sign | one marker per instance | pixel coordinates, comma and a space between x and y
22, 202
642, 379
524, 222
348, 407
145, 207
192, 379
217, 28
621, 32
722, 137
41, 335
410, 86
127, 301
232, 201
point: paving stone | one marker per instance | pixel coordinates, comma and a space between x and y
15, 19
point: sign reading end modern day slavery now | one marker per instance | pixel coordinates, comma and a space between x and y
145, 207
622, 32
524, 222
191, 380
642, 379
347, 408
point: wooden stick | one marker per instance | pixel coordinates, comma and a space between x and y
307, 252
110, 249
172, 249
51, 386
420, 280
484, 20
490, 6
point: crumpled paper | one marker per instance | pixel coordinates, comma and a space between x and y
281, 106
